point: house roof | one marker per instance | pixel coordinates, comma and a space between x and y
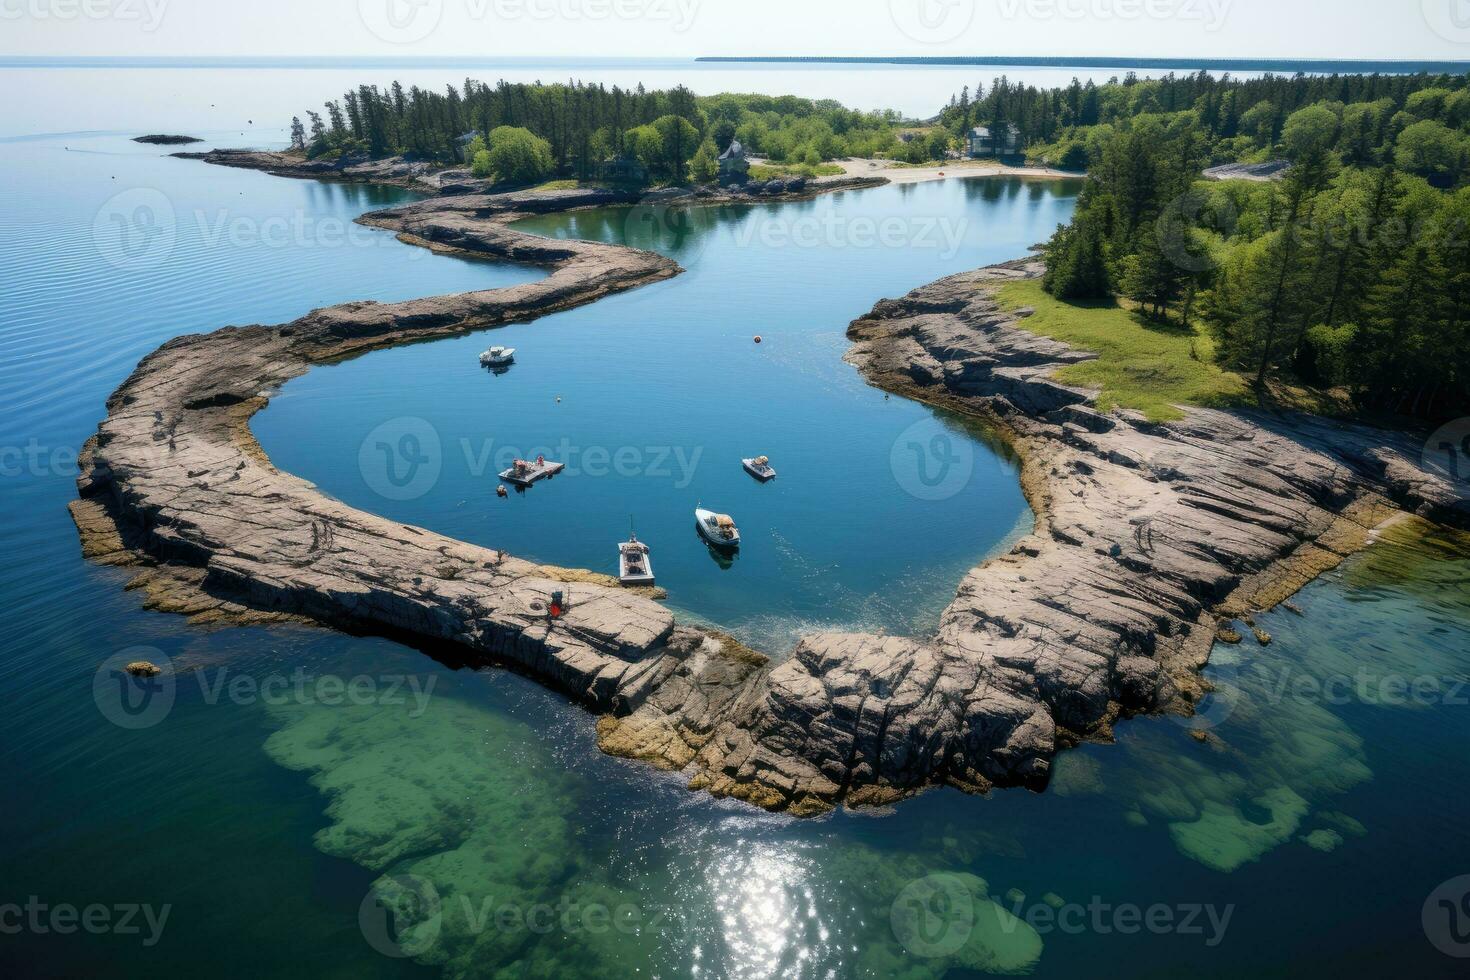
983, 132
734, 152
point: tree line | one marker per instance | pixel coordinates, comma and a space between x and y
1351, 270
571, 129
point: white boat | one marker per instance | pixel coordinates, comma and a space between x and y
759, 467
635, 566
718, 529
498, 356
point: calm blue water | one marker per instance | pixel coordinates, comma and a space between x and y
652, 399
260, 809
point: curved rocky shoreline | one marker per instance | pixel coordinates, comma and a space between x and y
1146, 534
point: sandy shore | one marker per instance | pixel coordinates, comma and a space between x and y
896, 174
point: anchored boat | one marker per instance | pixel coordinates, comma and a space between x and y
635, 566
759, 467
718, 529
498, 357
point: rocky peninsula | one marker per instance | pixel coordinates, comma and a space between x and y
1148, 535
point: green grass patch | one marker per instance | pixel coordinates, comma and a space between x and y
770, 171
558, 185
1142, 364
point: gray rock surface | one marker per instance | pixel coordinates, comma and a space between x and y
1144, 533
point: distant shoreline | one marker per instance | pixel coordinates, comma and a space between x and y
1274, 65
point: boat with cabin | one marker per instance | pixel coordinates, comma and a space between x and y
635, 565
759, 467
498, 357
718, 529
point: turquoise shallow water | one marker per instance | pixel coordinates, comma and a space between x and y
262, 806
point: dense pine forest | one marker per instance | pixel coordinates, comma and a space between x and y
1351, 271
570, 130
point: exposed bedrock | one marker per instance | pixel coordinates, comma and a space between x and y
1145, 533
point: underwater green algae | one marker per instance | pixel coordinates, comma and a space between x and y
462, 799
471, 822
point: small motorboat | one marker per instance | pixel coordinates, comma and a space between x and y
718, 529
635, 566
759, 467
498, 357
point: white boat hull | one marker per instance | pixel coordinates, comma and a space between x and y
635, 565
704, 520
761, 473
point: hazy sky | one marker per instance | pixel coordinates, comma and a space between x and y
685, 28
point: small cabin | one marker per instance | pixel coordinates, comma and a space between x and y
734, 168
998, 141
